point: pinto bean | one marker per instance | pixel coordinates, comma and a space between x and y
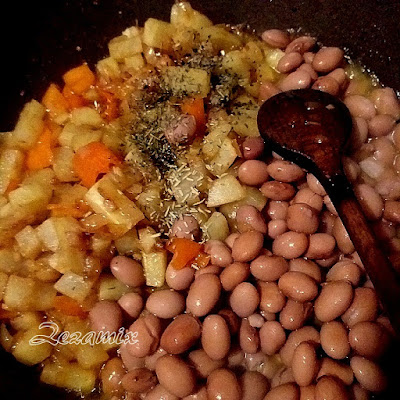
252, 148
294, 314
357, 392
130, 362
298, 79
287, 391
247, 246
276, 227
290, 244
231, 239
333, 300
307, 267
345, 270
271, 298
244, 299
368, 373
181, 334
268, 268
249, 218
128, 271
253, 172
340, 76
360, 106
381, 125
215, 338
132, 304
160, 392
342, 237
302, 218
392, 211
256, 320
254, 385
267, 90
327, 84
139, 380
111, 375
315, 185
337, 369
276, 38
285, 171
330, 388
150, 361
219, 252
279, 191
185, 227
321, 245
289, 62
249, 338
307, 196
301, 44
386, 102
334, 340
304, 364
359, 133
105, 316
209, 269
165, 303
277, 209
233, 275
327, 59
175, 375
203, 294
364, 307
298, 286
201, 394
272, 337
179, 279
223, 385
203, 364
308, 57
309, 69
231, 319
182, 131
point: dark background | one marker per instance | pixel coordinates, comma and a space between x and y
42, 39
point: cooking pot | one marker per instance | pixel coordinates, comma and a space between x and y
45, 38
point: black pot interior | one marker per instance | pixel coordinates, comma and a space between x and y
43, 39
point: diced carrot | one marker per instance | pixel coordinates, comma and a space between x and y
195, 107
54, 101
73, 100
79, 79
7, 314
69, 306
41, 155
68, 210
184, 251
92, 160
201, 260
108, 105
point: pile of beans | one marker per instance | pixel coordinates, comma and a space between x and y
285, 309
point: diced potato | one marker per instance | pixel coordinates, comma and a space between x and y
108, 69
89, 356
158, 34
124, 46
10, 261
182, 14
30, 354
28, 241
235, 63
147, 239
149, 200
219, 130
265, 73
74, 286
121, 213
273, 57
128, 243
44, 177
253, 53
225, 190
26, 320
68, 260
110, 288
66, 136
100, 246
42, 270
244, 118
86, 116
134, 63
114, 137
3, 284
63, 158
217, 226
6, 339
181, 81
11, 163
27, 294
85, 137
155, 265
57, 233
69, 376
225, 157
29, 126
220, 38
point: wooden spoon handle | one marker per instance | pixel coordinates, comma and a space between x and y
377, 265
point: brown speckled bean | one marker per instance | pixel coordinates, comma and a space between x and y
219, 252
298, 286
271, 298
215, 338
294, 314
368, 374
302, 218
327, 84
370, 201
165, 303
249, 338
160, 392
309, 69
203, 364
256, 320
276, 38
252, 147
301, 44
287, 391
276, 227
105, 316
279, 191
203, 294
357, 392
289, 62
307, 196
185, 227
285, 171
315, 185
290, 244
111, 375
223, 385
233, 275
368, 339
130, 362
244, 299
381, 125
268, 268
307, 267
334, 340
128, 271
201, 394
139, 381
272, 337
333, 300
150, 361
392, 211
342, 238
327, 59
304, 364
182, 131
250, 219
267, 90
298, 79
132, 304
339, 75
247, 246
175, 375
254, 385
360, 106
337, 369
330, 388
231, 319
231, 239
277, 209
181, 334
209, 269
386, 102
359, 133
308, 57
364, 307
321, 245
253, 172
179, 279
345, 270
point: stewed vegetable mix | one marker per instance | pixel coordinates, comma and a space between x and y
146, 252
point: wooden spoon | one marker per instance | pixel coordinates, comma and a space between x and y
311, 128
